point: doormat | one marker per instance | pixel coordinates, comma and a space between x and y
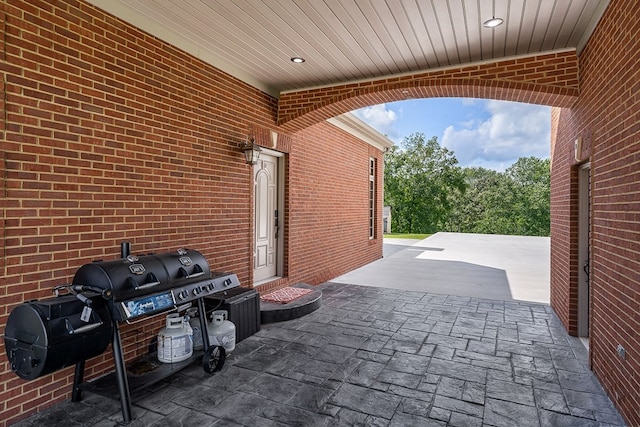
285, 295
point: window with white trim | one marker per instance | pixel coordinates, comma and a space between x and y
372, 198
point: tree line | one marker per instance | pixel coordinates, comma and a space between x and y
429, 192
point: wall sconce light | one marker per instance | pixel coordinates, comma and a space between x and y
577, 149
251, 152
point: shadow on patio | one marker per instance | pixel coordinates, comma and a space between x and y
509, 268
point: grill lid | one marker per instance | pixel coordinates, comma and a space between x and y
133, 276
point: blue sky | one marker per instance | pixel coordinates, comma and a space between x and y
487, 133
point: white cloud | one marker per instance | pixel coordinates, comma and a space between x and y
470, 101
512, 131
380, 118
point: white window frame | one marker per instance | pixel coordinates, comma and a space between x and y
372, 198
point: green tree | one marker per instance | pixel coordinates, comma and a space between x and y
531, 180
485, 205
422, 182
514, 202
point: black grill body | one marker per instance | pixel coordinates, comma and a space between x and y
149, 284
44, 336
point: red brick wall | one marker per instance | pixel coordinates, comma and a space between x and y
345, 189
564, 218
607, 117
546, 79
111, 135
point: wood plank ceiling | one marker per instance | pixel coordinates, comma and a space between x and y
351, 40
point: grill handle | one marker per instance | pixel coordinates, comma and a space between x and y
77, 290
197, 272
146, 285
152, 281
184, 274
85, 328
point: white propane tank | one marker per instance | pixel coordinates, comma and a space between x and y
194, 321
222, 331
175, 342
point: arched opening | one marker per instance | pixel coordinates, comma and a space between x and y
550, 79
479, 264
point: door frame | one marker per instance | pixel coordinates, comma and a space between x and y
280, 183
584, 249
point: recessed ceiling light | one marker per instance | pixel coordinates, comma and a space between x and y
493, 22
297, 59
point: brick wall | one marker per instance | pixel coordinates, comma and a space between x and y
345, 190
109, 134
564, 218
607, 117
546, 79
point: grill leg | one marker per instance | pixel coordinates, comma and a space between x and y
203, 323
78, 378
121, 374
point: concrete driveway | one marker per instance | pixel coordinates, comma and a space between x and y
507, 268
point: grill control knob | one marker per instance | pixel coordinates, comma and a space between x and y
183, 294
210, 287
226, 282
197, 290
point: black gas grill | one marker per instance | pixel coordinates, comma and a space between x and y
44, 336
153, 283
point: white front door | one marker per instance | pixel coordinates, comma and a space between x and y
265, 180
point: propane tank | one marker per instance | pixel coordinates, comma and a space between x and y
194, 322
222, 331
175, 341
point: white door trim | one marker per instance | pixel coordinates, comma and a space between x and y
279, 206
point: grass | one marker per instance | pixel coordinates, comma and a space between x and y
406, 236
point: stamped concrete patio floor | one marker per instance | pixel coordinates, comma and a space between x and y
374, 356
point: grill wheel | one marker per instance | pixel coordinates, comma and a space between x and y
213, 359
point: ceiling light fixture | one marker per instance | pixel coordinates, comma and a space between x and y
297, 59
493, 22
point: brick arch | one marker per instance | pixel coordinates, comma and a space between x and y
550, 79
